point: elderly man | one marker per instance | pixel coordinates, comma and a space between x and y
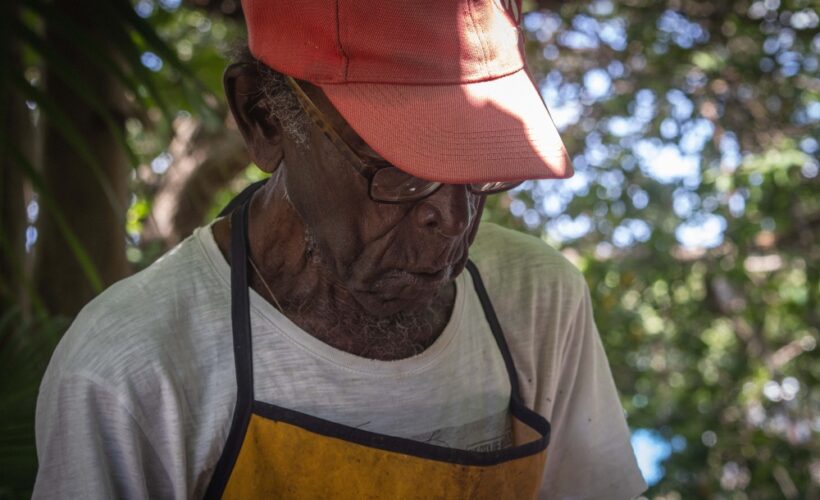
321, 339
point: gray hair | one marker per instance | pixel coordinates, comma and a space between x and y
278, 99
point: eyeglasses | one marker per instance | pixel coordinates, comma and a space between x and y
386, 183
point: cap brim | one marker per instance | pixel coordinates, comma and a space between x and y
497, 130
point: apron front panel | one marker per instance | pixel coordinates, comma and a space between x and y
274, 452
282, 460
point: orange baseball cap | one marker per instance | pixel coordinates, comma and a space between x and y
439, 88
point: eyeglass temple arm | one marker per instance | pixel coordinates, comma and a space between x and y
324, 124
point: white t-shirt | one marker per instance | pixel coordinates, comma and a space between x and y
138, 398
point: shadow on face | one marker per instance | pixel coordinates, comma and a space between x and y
391, 257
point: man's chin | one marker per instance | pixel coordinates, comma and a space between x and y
398, 293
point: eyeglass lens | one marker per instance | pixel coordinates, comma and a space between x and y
393, 185
388, 183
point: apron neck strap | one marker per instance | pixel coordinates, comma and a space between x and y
495, 326
240, 311
240, 306
242, 352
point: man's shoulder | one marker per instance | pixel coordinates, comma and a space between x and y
141, 317
507, 255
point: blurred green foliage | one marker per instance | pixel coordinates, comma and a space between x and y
25, 348
695, 221
694, 215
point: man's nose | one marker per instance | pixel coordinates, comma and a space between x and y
447, 211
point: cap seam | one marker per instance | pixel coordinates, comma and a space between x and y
448, 83
345, 57
480, 39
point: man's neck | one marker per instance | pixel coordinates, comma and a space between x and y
303, 287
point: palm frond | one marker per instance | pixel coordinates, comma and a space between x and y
25, 348
74, 244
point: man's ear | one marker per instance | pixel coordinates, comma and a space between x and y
262, 133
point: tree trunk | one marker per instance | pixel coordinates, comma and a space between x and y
204, 163
90, 213
18, 131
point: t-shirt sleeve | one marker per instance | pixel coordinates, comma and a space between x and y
590, 456
90, 446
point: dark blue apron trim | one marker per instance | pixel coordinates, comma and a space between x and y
517, 406
403, 445
495, 327
246, 405
243, 197
242, 352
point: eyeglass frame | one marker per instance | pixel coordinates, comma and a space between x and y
357, 162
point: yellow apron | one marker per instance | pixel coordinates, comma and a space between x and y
274, 452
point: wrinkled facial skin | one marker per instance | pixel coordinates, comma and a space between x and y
390, 257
